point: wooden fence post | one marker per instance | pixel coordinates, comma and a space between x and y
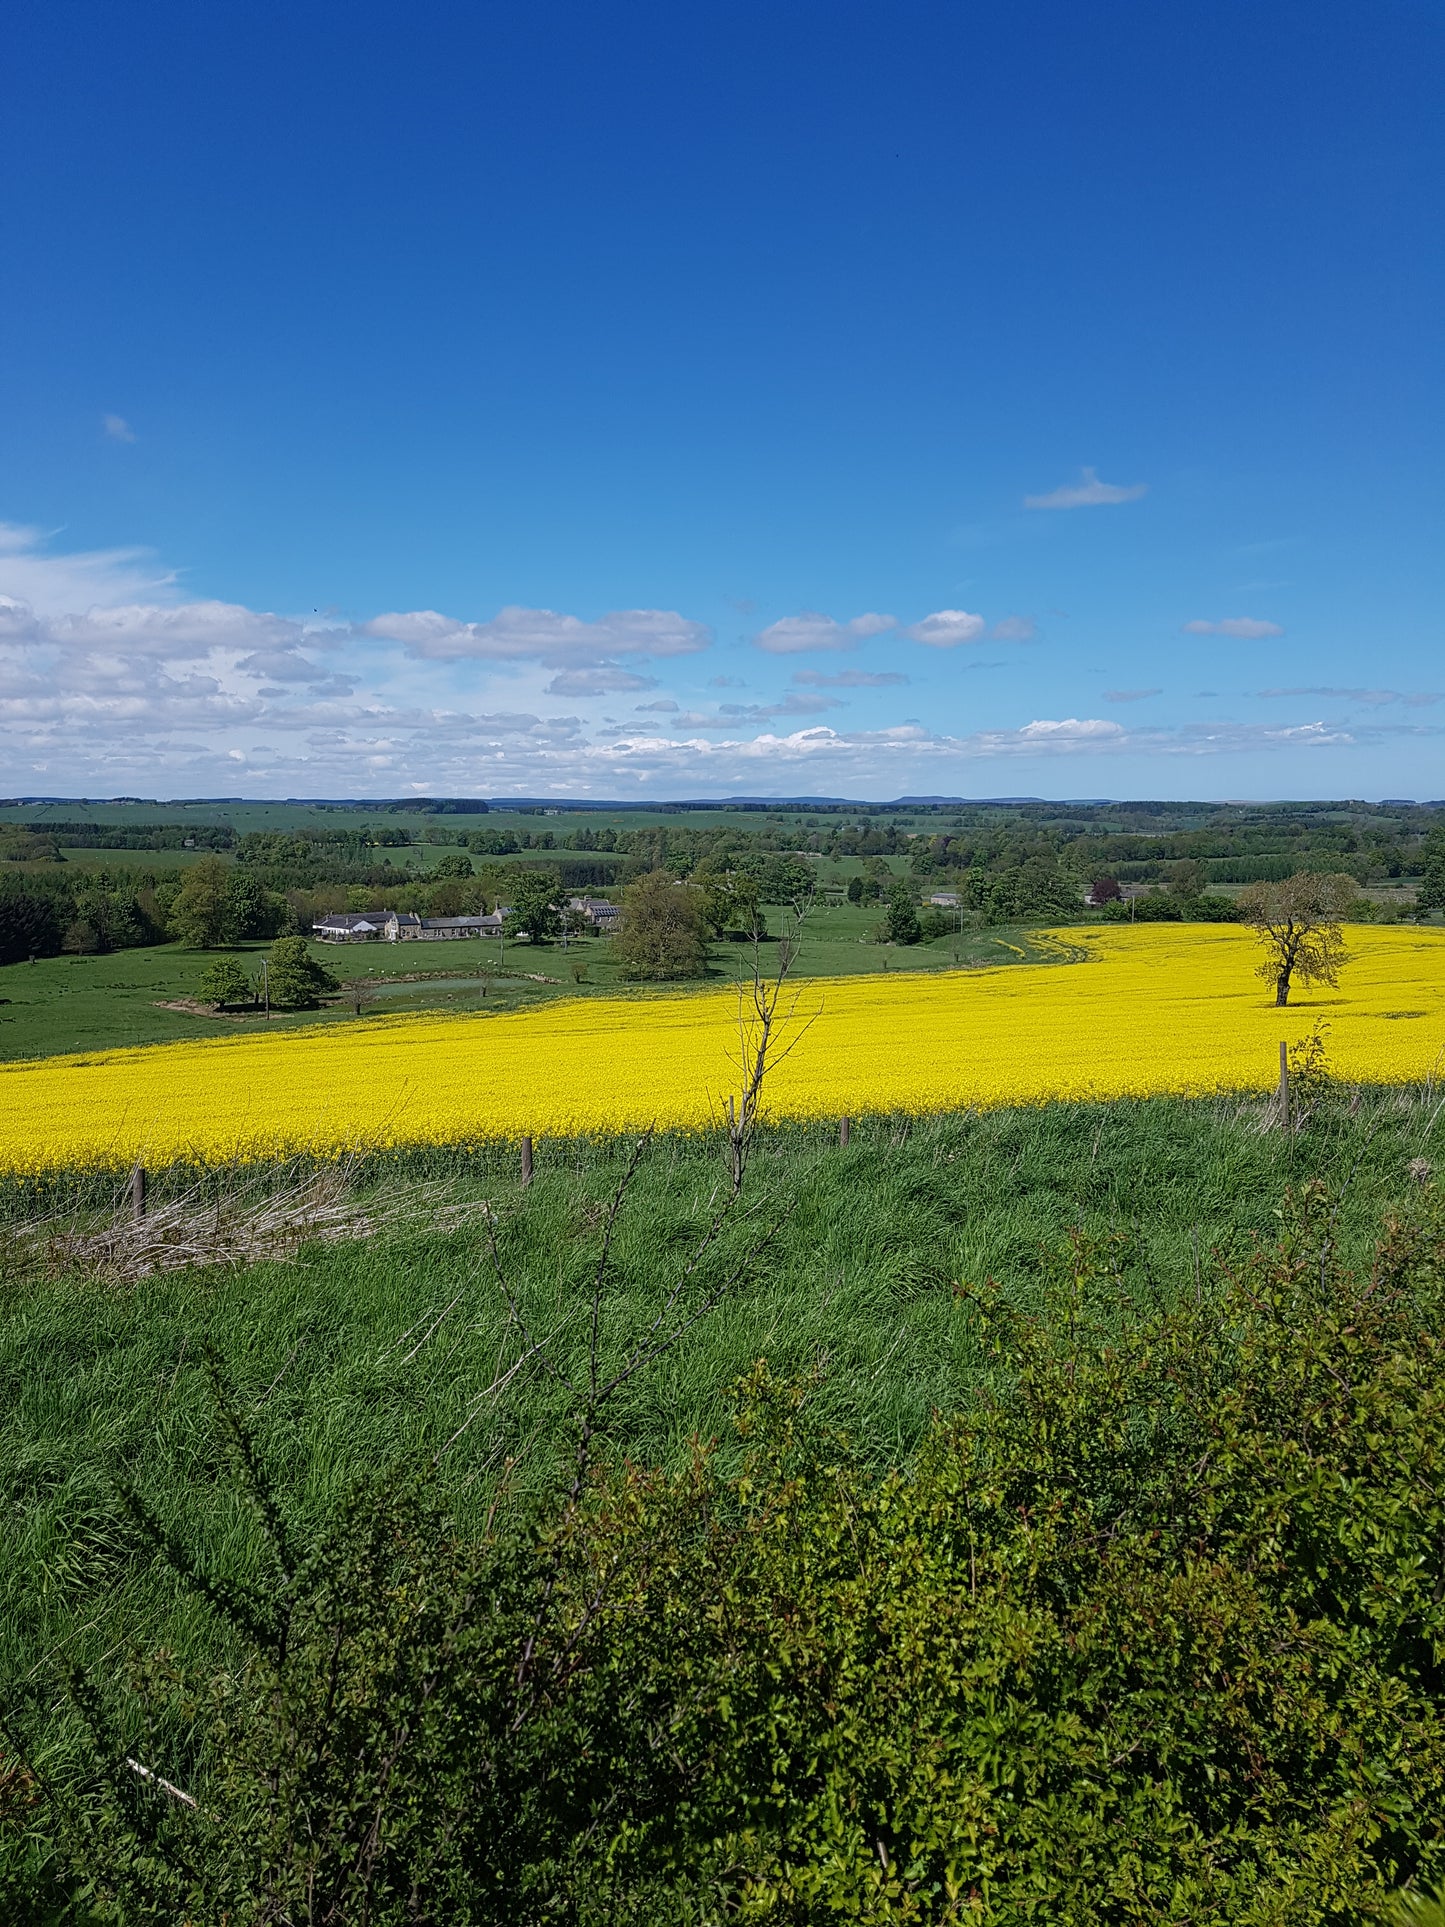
138, 1191
844, 1127
1283, 1085
526, 1160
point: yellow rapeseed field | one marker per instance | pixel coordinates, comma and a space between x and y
1157, 1008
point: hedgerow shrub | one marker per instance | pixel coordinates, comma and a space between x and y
1151, 1632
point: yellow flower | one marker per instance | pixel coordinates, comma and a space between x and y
1154, 1009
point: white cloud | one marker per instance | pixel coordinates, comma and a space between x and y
1129, 695
112, 683
83, 579
181, 630
281, 665
947, 628
739, 715
541, 635
849, 679
608, 678
795, 634
1088, 493
118, 428
1072, 730
1094, 737
1372, 698
1241, 628
1014, 629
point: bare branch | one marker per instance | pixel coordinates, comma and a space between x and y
608, 1228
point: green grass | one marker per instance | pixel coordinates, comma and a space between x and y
76, 865
360, 1357
295, 816
62, 1004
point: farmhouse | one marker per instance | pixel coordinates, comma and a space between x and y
443, 929
351, 926
601, 914
945, 899
402, 926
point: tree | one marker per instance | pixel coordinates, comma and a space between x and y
902, 919
1431, 894
855, 889
295, 977
225, 982
537, 905
1298, 922
732, 900
117, 916
201, 913
81, 938
1035, 890
662, 930
456, 863
31, 920
1105, 890
781, 879
1188, 879
251, 910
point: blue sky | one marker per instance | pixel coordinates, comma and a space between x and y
771, 399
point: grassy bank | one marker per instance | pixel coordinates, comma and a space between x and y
363, 1354
894, 1282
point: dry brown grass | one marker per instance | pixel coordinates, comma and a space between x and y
240, 1226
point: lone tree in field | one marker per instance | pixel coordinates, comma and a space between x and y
225, 982
1298, 922
662, 932
296, 979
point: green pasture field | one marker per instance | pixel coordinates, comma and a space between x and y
243, 816
62, 1004
417, 859
118, 862
292, 816
866, 1270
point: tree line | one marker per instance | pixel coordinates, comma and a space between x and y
45, 910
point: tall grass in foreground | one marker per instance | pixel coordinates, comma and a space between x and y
362, 1355
1148, 1628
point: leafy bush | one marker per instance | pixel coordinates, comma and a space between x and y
1151, 1632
